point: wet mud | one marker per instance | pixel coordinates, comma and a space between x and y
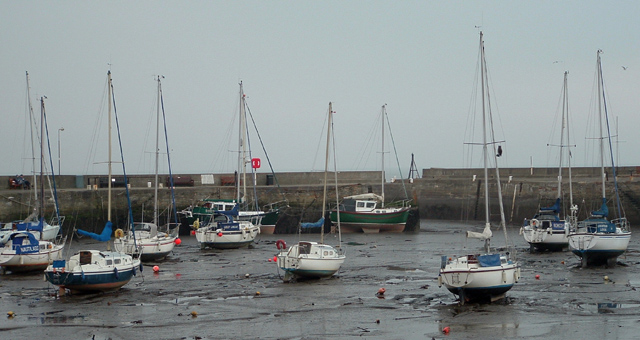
238, 294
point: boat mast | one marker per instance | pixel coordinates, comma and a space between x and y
242, 149
565, 108
562, 127
600, 94
33, 151
326, 169
384, 112
109, 162
155, 192
41, 215
484, 143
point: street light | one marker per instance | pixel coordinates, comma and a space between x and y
59, 130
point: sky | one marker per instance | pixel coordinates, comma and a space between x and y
293, 58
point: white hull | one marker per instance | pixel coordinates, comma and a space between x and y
153, 248
466, 278
50, 232
546, 238
214, 237
595, 247
13, 262
310, 260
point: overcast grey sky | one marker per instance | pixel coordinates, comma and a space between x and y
294, 57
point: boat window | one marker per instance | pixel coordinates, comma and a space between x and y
326, 253
371, 205
360, 204
305, 248
108, 262
116, 261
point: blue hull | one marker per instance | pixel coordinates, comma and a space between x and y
480, 294
90, 282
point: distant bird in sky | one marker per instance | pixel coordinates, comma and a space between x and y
624, 68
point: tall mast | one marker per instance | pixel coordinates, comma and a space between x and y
242, 149
33, 151
484, 142
600, 94
562, 127
41, 161
326, 169
566, 114
384, 112
155, 193
109, 162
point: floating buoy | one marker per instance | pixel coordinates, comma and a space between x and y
562, 262
606, 278
247, 275
537, 276
446, 330
10, 314
194, 314
156, 269
381, 291
257, 293
220, 234
269, 260
177, 241
193, 232
275, 259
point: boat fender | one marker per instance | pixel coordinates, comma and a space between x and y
119, 233
133, 269
115, 272
83, 277
196, 224
141, 267
534, 223
281, 244
49, 246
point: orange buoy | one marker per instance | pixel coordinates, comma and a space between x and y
381, 291
156, 269
446, 330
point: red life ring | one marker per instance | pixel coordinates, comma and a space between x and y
281, 244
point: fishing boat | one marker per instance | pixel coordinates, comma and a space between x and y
225, 231
151, 243
546, 230
267, 217
313, 259
597, 239
23, 251
487, 276
96, 270
367, 212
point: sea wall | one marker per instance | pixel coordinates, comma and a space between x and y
450, 194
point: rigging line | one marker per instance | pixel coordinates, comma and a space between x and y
406, 195
124, 171
368, 145
265, 152
166, 142
95, 135
53, 173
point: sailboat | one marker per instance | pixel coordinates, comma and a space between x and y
546, 231
597, 239
96, 270
23, 251
490, 275
266, 219
313, 259
42, 229
362, 213
151, 243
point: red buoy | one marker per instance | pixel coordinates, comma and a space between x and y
275, 259
177, 241
156, 269
220, 234
193, 232
446, 330
537, 276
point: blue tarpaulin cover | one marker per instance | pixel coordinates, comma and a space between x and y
489, 260
318, 224
555, 208
104, 237
604, 211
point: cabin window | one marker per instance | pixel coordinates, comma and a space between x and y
371, 205
108, 262
360, 204
116, 261
326, 253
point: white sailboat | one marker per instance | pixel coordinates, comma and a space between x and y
487, 276
96, 270
367, 212
151, 243
228, 229
313, 259
597, 239
546, 230
23, 251
46, 231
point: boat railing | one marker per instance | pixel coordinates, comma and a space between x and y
621, 223
57, 220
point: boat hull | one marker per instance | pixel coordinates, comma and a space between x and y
18, 263
107, 271
546, 239
596, 248
371, 222
472, 282
151, 249
310, 260
211, 237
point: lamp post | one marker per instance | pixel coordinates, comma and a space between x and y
59, 130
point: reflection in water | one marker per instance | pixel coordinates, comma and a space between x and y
58, 319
